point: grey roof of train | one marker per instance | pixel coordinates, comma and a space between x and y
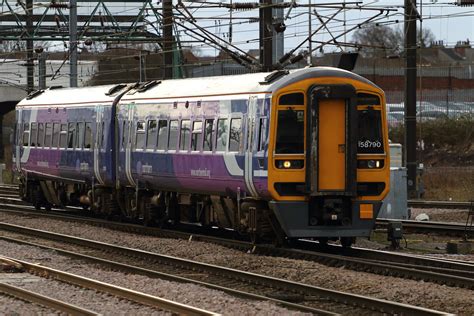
189, 88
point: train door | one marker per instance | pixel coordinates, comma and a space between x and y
98, 142
251, 117
332, 150
332, 154
128, 144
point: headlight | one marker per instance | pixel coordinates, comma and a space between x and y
290, 164
370, 164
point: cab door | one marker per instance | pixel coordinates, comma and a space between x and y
332, 142
332, 145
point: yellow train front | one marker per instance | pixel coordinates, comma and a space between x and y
328, 161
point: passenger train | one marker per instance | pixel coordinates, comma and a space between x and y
281, 155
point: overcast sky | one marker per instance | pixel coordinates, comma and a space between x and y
448, 22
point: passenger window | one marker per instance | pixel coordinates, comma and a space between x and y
88, 136
173, 135
162, 134
292, 99
152, 132
185, 135
80, 135
71, 136
26, 134
124, 133
208, 126
235, 131
221, 143
140, 135
34, 134
49, 135
262, 134
196, 138
40, 135
55, 142
63, 136
102, 134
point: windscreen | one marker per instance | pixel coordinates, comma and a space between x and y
370, 132
290, 132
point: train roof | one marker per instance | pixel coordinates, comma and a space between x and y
193, 87
69, 96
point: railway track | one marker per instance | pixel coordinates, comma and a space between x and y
86, 283
12, 190
440, 204
429, 227
9, 191
226, 279
380, 262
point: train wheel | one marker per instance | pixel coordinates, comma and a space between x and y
347, 242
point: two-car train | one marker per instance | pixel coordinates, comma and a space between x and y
275, 155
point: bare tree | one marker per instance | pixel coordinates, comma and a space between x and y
376, 40
380, 40
427, 37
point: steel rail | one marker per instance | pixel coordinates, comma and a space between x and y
175, 278
379, 262
142, 298
444, 228
295, 287
440, 204
45, 301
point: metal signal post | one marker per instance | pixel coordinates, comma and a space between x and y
410, 95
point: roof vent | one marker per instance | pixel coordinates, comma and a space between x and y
115, 89
34, 94
275, 75
55, 87
148, 85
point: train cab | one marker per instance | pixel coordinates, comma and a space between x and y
328, 162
